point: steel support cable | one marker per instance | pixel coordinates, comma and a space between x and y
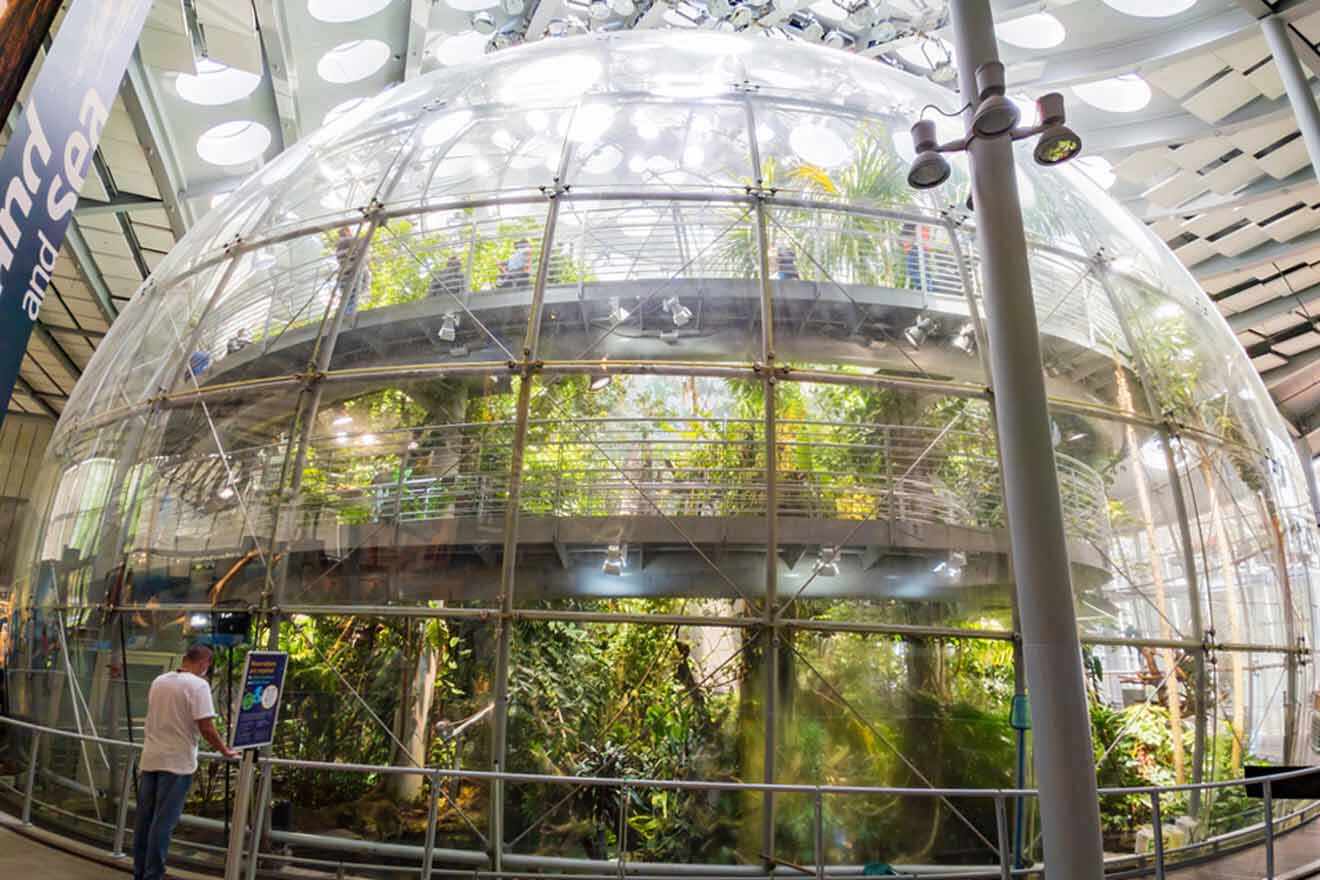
829, 277
383, 726
861, 522
878, 734
1124, 572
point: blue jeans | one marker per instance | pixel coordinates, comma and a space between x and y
160, 804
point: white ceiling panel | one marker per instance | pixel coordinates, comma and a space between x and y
1181, 78
1249, 298
1198, 154
1233, 175
1144, 166
1244, 54
1230, 92
1177, 189
1267, 81
1289, 226
1297, 344
1258, 137
1195, 252
1237, 243
1289, 158
1268, 361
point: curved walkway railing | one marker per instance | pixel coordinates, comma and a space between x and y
1160, 860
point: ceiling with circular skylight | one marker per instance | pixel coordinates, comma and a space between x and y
1181, 112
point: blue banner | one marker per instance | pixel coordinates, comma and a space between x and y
50, 155
259, 700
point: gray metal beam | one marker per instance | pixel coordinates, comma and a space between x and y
82, 254
149, 125
74, 331
121, 203
1281, 37
107, 178
419, 24
274, 31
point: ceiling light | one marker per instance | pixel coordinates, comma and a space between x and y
827, 562
448, 327
225, 493
1040, 30
353, 61
483, 23
995, 114
234, 143
618, 314
215, 84
965, 341
1120, 94
929, 169
342, 11
1150, 8
614, 560
599, 381
919, 331
679, 312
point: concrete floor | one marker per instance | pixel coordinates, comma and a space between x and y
21, 857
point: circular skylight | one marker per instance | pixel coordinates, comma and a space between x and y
339, 11
234, 143
341, 109
215, 84
353, 61
460, 48
1151, 8
1119, 94
472, 5
819, 145
1039, 30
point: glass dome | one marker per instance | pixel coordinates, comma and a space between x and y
611, 407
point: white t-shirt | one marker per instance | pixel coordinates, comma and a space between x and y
175, 703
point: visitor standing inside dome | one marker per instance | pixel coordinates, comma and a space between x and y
179, 707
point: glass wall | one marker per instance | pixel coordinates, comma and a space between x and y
633, 421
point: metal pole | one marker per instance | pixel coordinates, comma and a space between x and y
818, 838
1157, 827
121, 818
1268, 801
1001, 839
31, 780
432, 815
621, 844
1305, 112
234, 854
259, 823
1065, 770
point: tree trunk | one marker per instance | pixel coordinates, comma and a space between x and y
1173, 694
422, 665
1238, 723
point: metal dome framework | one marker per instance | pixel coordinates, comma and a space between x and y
190, 467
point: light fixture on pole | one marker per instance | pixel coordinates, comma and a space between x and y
448, 327
995, 115
827, 562
965, 341
680, 313
615, 559
618, 314
917, 333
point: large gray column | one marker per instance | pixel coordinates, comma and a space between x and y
1295, 84
1065, 770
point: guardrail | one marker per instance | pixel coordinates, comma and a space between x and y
1266, 831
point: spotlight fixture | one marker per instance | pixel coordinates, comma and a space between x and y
1058, 143
943, 73
618, 314
615, 560
483, 23
600, 381
837, 39
827, 562
556, 27
965, 341
814, 31
599, 10
225, 493
929, 169
995, 116
917, 333
679, 312
448, 327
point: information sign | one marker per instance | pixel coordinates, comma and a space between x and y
259, 700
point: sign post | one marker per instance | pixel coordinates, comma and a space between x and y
48, 157
253, 728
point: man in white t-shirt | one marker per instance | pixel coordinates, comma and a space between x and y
179, 707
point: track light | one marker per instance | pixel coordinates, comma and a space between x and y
448, 327
965, 341
996, 114
614, 560
917, 333
618, 314
827, 562
679, 312
837, 39
929, 169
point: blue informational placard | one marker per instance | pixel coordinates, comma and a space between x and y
259, 700
48, 157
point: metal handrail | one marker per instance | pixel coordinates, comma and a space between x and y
1000, 796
